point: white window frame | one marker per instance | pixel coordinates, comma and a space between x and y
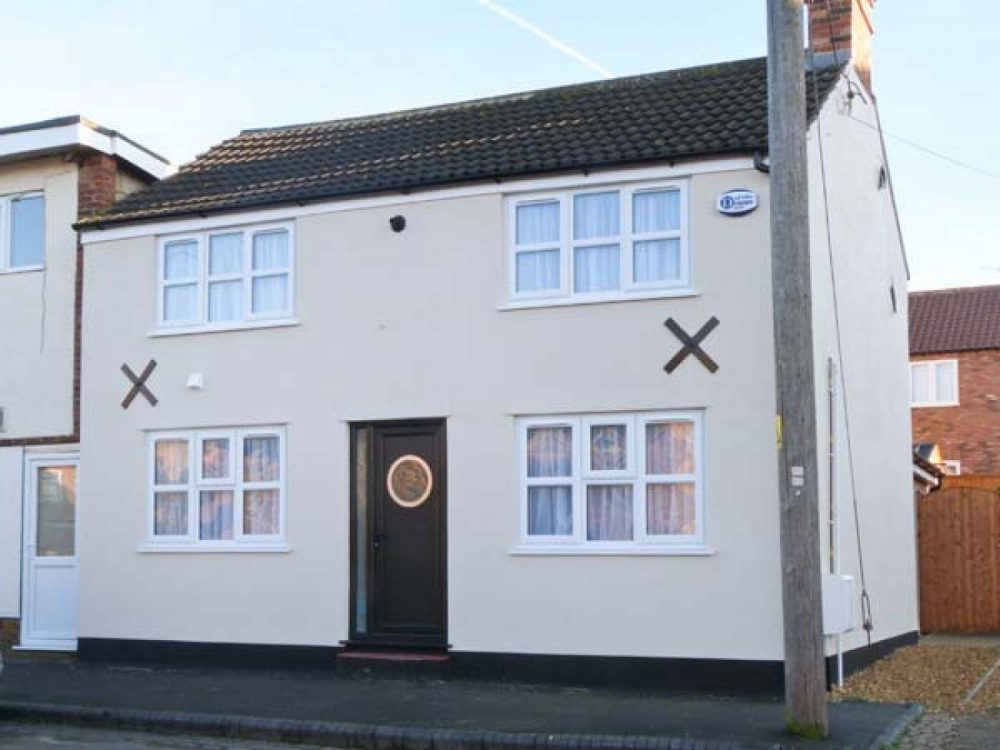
634, 474
7, 231
247, 274
931, 365
235, 482
627, 237
951, 467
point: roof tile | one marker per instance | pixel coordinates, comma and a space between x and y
682, 114
955, 320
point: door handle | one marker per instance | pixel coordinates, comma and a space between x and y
377, 539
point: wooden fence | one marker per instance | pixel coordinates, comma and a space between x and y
959, 560
982, 481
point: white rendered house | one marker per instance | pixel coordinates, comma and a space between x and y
405, 384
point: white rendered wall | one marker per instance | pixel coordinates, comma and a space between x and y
10, 531
868, 259
36, 348
407, 325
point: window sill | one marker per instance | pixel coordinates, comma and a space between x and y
940, 405
580, 551
153, 548
249, 325
528, 304
23, 269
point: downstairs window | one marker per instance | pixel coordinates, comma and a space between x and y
612, 480
217, 488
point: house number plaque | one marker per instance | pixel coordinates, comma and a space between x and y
409, 481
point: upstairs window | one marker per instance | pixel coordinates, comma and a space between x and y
934, 383
22, 232
599, 244
226, 279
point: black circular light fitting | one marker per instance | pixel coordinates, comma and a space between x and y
397, 222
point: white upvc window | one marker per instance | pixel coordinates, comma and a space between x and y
612, 481
952, 468
934, 383
598, 244
229, 278
217, 488
22, 232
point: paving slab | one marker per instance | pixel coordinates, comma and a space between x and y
389, 714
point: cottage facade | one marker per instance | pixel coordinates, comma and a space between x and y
52, 173
408, 382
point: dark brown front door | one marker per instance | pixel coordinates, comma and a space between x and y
399, 516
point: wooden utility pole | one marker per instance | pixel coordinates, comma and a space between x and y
805, 679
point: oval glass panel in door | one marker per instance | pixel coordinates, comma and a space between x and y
409, 481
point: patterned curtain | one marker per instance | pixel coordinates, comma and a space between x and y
609, 511
550, 507
216, 515
670, 509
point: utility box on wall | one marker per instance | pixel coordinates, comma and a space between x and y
838, 604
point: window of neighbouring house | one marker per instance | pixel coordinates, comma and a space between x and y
22, 232
934, 383
953, 468
612, 481
217, 488
226, 279
609, 243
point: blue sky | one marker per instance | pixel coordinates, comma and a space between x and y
181, 75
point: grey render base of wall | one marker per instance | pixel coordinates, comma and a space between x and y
724, 676
383, 714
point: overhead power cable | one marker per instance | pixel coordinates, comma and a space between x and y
931, 152
866, 608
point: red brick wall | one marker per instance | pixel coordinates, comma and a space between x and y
843, 26
97, 182
969, 432
830, 30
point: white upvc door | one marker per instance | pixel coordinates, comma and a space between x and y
50, 578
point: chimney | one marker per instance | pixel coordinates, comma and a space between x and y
843, 28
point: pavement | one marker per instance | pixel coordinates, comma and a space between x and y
415, 714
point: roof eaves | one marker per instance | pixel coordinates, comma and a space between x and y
66, 134
106, 221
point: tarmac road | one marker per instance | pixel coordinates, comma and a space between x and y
63, 737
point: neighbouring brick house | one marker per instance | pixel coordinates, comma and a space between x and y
955, 376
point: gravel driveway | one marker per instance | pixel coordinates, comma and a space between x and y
957, 679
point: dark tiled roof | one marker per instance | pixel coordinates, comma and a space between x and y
682, 114
955, 320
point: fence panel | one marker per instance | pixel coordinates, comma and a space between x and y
959, 559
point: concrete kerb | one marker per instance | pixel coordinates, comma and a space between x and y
895, 730
373, 736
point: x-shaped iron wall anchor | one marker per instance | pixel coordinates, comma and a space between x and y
139, 384
691, 345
